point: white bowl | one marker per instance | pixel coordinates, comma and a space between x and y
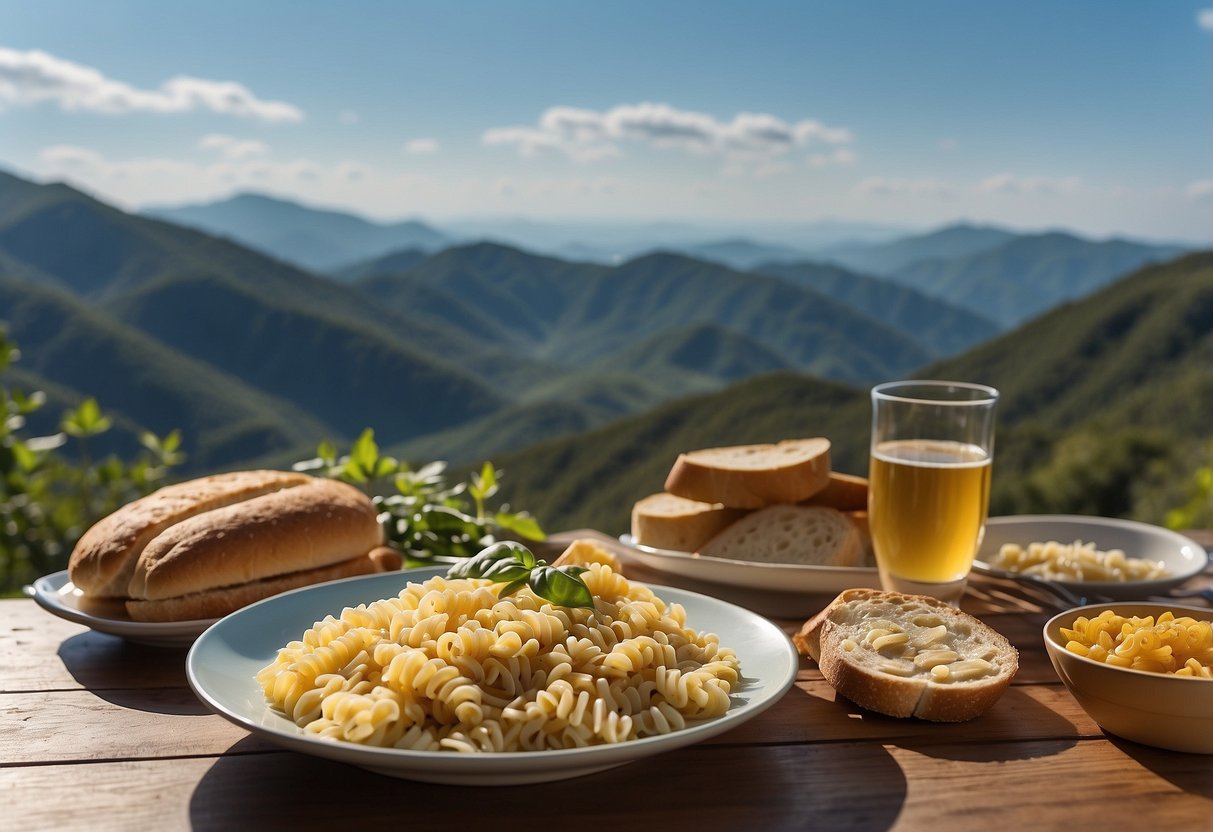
1182, 557
1158, 709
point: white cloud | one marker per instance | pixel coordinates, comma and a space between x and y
421, 147
232, 148
349, 117
589, 135
838, 156
1201, 189
1008, 183
1205, 19
947, 144
33, 77
882, 186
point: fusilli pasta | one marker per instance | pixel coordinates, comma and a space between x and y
448, 665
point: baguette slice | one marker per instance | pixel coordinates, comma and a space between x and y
667, 521
809, 535
104, 559
845, 492
753, 476
881, 650
312, 526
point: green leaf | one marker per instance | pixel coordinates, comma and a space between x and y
515, 565
561, 587
86, 420
522, 525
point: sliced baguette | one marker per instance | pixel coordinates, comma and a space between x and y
667, 521
857, 642
808, 535
845, 492
753, 476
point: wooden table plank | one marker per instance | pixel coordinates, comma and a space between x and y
859, 786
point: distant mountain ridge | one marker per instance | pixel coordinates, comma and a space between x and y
312, 238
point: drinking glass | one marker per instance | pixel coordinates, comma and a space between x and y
929, 483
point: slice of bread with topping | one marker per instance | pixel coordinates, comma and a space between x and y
909, 655
806, 535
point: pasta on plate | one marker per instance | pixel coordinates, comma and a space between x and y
449, 666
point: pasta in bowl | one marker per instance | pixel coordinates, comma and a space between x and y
1141, 671
511, 698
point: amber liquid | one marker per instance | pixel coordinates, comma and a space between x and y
927, 508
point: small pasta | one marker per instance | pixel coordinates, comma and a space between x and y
1077, 561
1181, 646
448, 665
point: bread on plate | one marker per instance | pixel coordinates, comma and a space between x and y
207, 547
909, 655
667, 521
805, 535
753, 476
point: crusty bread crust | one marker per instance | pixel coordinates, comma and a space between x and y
845, 492
753, 476
309, 526
103, 560
834, 638
667, 521
216, 603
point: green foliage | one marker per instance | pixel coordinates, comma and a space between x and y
51, 489
516, 566
422, 516
1197, 512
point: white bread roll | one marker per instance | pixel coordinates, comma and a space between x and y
667, 521
103, 561
307, 527
807, 535
753, 476
909, 655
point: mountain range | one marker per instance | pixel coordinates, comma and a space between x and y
584, 378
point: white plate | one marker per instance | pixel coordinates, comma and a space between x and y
56, 594
222, 665
770, 577
1181, 555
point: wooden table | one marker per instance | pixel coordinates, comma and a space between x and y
96, 733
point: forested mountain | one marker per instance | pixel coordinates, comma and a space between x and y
1025, 276
1104, 410
446, 346
960, 240
941, 326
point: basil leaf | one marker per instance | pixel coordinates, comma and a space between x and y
501, 561
562, 588
513, 586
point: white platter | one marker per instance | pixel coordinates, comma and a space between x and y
769, 577
223, 662
1183, 557
56, 594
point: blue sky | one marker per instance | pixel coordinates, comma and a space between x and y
1083, 115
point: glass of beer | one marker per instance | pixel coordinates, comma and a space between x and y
929, 483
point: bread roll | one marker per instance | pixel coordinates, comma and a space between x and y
753, 476
103, 561
667, 521
216, 603
314, 525
808, 535
909, 655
